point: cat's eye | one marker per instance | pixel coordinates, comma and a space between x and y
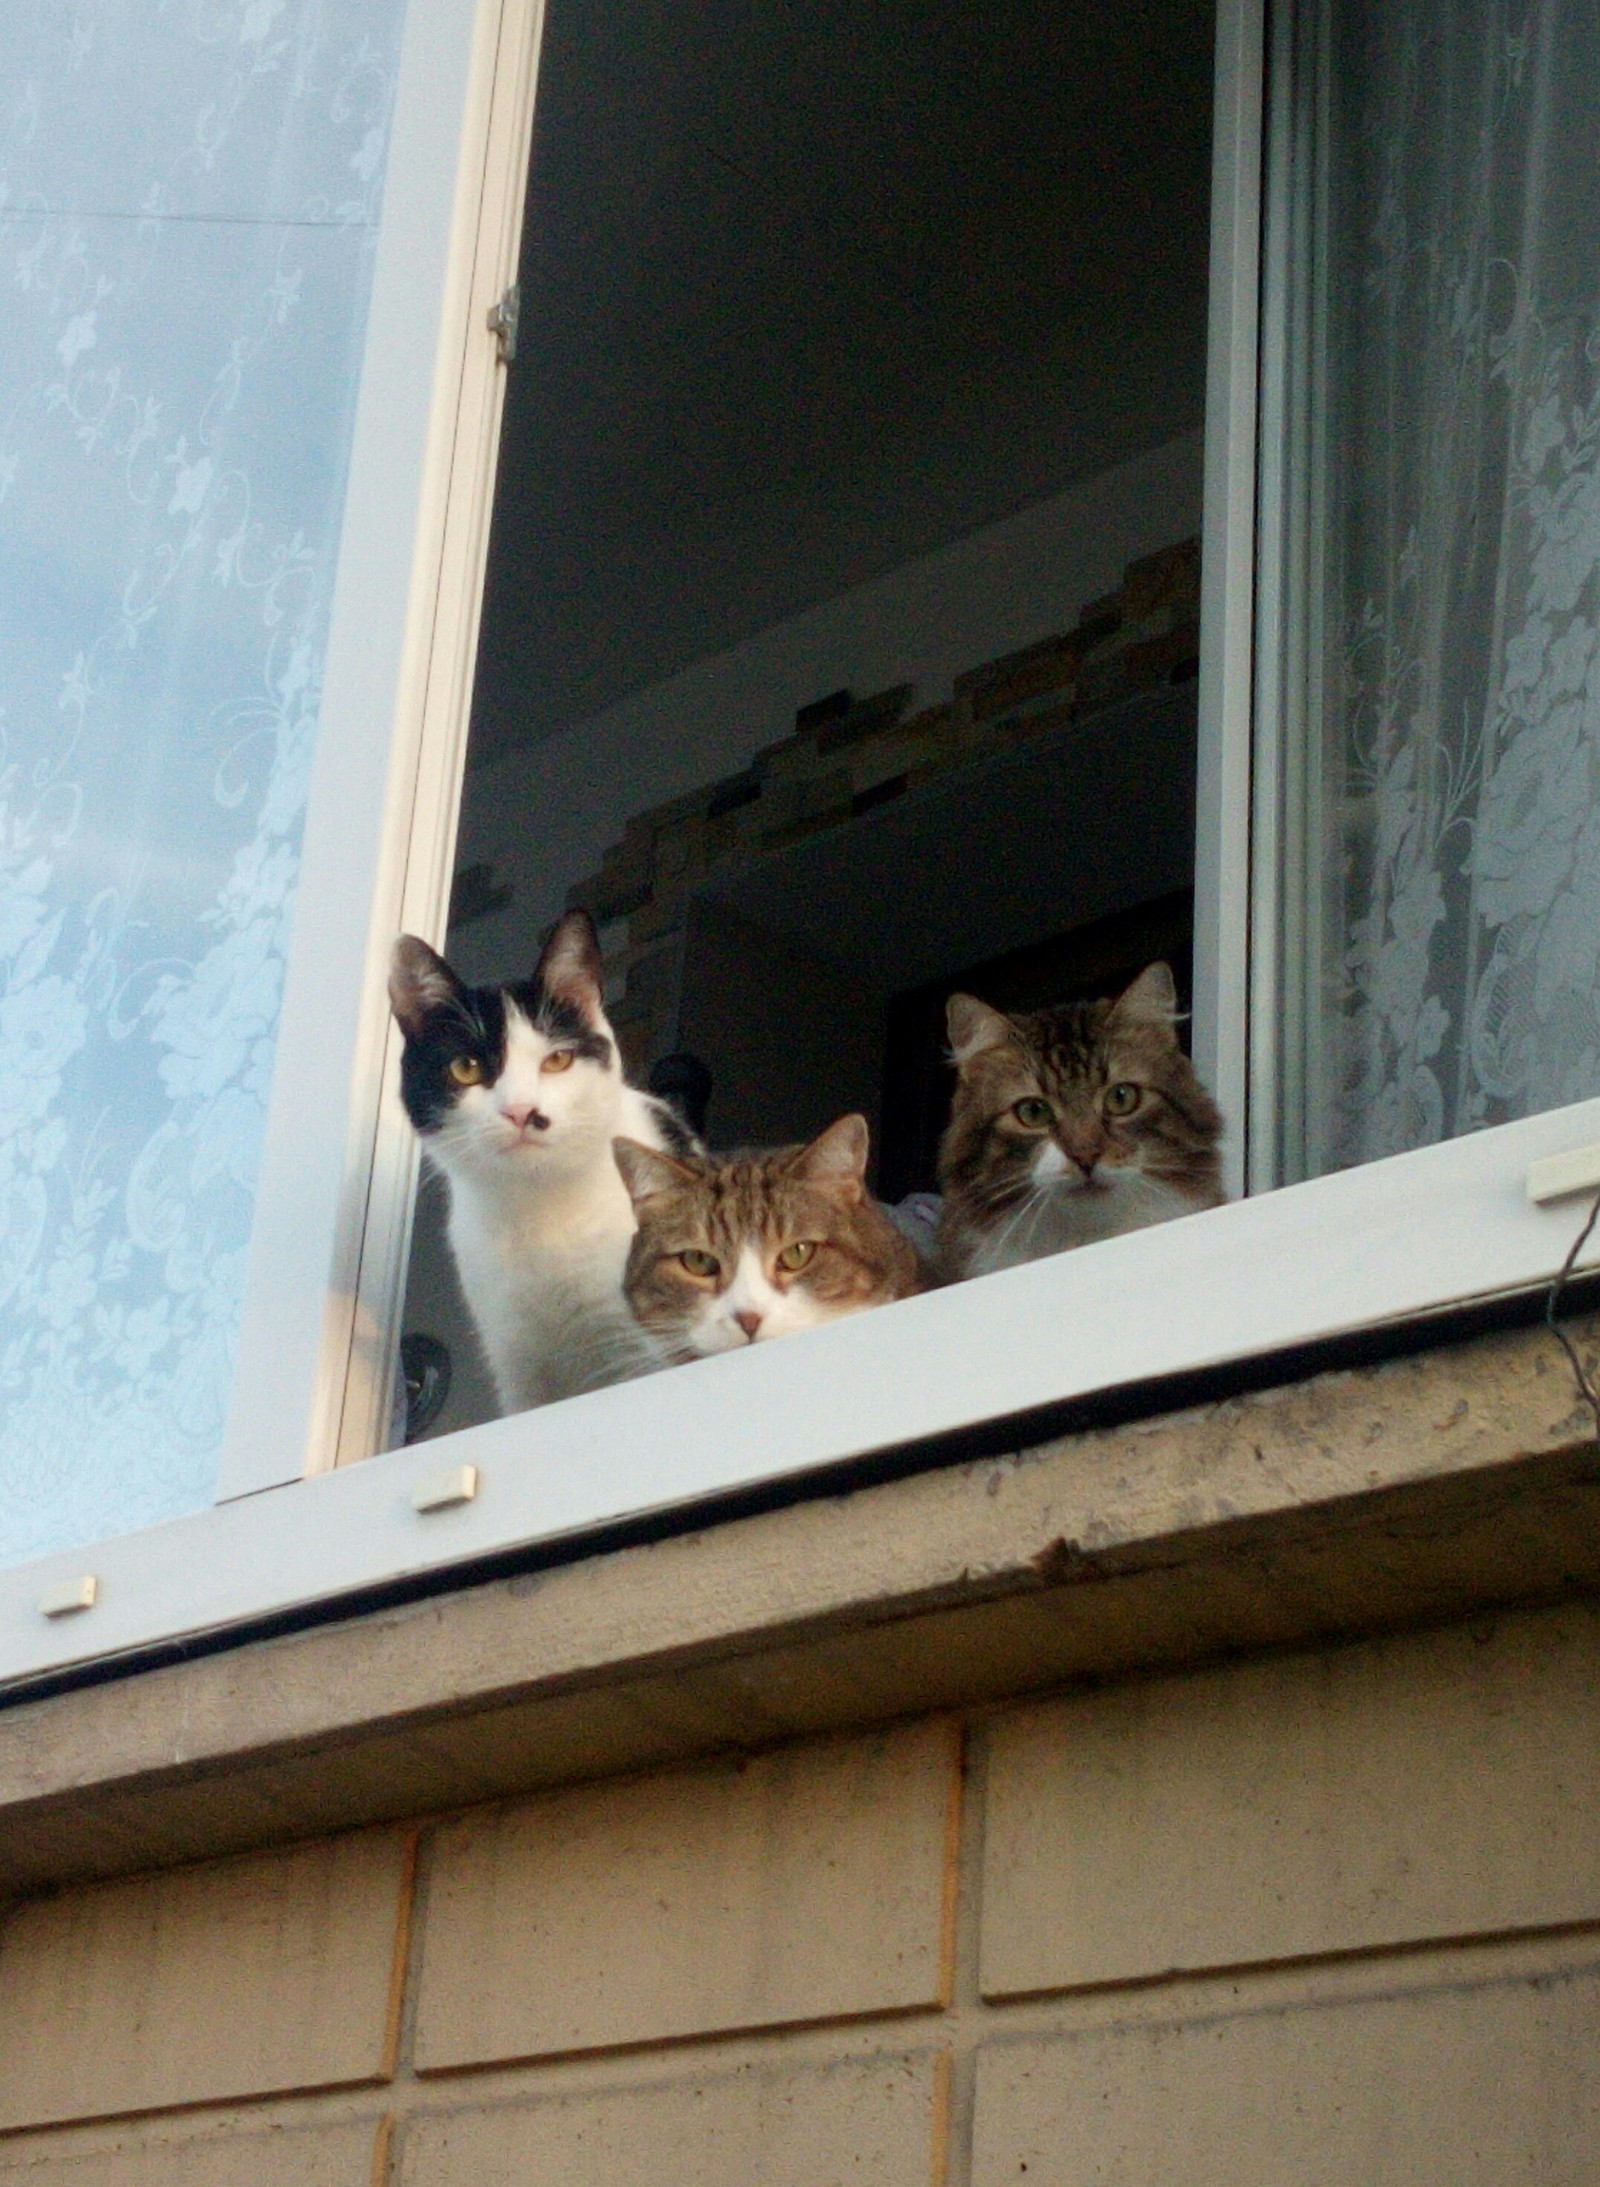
796, 1255
559, 1059
1121, 1099
1033, 1112
467, 1070
699, 1263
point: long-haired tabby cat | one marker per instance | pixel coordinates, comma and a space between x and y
734, 1248
517, 1094
1070, 1125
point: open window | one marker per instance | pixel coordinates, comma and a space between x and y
846, 637
841, 630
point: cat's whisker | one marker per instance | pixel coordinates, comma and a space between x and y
559, 1173
739, 1248
1025, 1217
1109, 1078
539, 1227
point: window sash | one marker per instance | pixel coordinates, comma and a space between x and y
332, 1232
1223, 912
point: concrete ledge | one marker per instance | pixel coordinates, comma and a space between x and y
1416, 1491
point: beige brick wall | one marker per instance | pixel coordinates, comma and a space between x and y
695, 1903
239, 1978
1328, 1917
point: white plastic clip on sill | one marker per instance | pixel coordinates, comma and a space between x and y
1558, 1175
72, 1595
444, 1490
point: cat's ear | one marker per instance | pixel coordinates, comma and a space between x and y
570, 968
647, 1171
974, 1028
1152, 1000
420, 982
837, 1156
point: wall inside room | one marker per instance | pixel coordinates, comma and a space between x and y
542, 815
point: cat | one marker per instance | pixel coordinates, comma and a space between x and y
733, 1249
517, 1093
1070, 1125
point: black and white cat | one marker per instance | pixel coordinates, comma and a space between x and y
517, 1093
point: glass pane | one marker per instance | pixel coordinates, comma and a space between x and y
1441, 228
188, 203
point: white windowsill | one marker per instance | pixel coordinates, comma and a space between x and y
1386, 1241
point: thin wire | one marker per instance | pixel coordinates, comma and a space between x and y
1586, 1388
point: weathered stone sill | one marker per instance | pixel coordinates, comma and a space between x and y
1413, 1492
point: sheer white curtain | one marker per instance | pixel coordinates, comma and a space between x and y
1443, 699
189, 202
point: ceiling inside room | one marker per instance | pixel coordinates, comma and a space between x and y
808, 291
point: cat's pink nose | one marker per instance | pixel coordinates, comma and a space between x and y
519, 1114
1085, 1149
749, 1323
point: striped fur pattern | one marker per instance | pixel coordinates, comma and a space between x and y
733, 1249
1071, 1125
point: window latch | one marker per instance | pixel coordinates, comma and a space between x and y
1558, 1175
503, 319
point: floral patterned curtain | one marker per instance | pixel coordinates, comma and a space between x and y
1448, 493
189, 194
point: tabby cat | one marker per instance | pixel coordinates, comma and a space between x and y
1070, 1125
734, 1248
517, 1094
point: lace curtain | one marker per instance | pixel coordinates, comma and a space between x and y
189, 193
1447, 491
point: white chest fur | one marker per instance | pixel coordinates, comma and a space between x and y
540, 1254
1059, 1217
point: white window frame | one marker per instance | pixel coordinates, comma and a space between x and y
293, 1525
